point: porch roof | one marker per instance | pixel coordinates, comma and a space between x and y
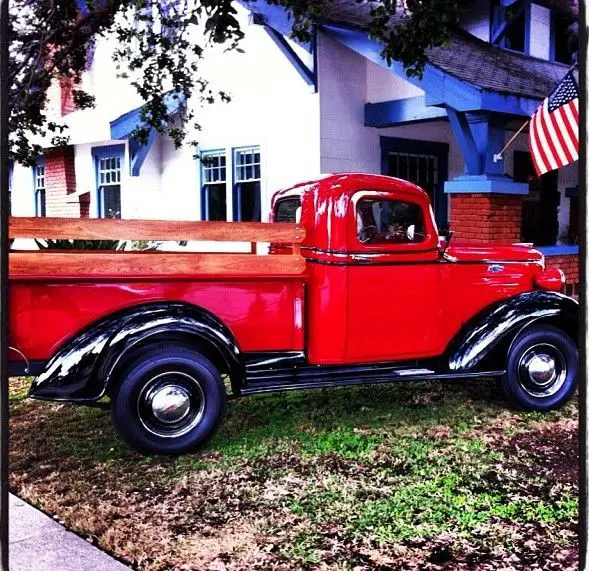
469, 58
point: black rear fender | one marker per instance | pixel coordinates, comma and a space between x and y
484, 341
85, 368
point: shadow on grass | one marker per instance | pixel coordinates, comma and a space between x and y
349, 420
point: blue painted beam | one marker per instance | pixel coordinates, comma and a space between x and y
307, 74
508, 104
140, 153
275, 16
123, 126
400, 111
464, 137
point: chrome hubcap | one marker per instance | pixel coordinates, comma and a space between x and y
542, 370
171, 404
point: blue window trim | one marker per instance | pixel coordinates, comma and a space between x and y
400, 145
103, 152
552, 53
40, 162
498, 27
561, 250
234, 184
204, 214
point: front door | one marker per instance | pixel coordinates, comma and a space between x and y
393, 301
424, 163
540, 205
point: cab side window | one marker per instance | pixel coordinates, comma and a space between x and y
288, 210
389, 222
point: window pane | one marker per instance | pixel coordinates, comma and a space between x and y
213, 167
389, 221
215, 202
248, 202
286, 209
247, 164
393, 165
111, 201
40, 203
516, 32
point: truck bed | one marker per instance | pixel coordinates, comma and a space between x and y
56, 294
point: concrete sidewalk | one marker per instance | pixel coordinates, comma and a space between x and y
38, 543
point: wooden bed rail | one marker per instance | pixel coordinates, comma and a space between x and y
156, 230
47, 265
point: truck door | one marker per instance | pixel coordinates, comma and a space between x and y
393, 279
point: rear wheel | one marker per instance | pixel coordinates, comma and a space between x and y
542, 368
170, 400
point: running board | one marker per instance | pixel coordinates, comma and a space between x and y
310, 377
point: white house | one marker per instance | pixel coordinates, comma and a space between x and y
333, 105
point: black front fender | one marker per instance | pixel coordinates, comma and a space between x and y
482, 342
82, 369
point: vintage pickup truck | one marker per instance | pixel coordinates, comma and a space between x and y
356, 286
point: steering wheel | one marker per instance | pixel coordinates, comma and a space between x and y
367, 233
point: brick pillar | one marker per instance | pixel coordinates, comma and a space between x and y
490, 217
60, 183
67, 86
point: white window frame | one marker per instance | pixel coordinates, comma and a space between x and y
238, 178
204, 168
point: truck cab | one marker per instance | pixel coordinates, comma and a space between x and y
366, 292
384, 285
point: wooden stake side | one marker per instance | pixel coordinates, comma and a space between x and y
156, 230
76, 265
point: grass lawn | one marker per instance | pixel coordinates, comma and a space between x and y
400, 477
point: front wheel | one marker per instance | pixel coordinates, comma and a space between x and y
542, 368
169, 401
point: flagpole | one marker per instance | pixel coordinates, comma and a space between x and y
499, 156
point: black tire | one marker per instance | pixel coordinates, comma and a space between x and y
542, 368
169, 400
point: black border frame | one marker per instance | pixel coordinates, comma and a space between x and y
4, 213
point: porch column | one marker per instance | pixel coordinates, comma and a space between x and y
485, 203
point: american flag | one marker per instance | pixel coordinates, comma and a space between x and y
554, 127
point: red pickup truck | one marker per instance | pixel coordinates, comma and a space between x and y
370, 294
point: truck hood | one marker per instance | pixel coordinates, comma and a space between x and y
493, 252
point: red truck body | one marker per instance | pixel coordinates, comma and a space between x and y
369, 293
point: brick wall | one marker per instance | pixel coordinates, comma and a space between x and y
486, 217
497, 218
569, 264
60, 183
